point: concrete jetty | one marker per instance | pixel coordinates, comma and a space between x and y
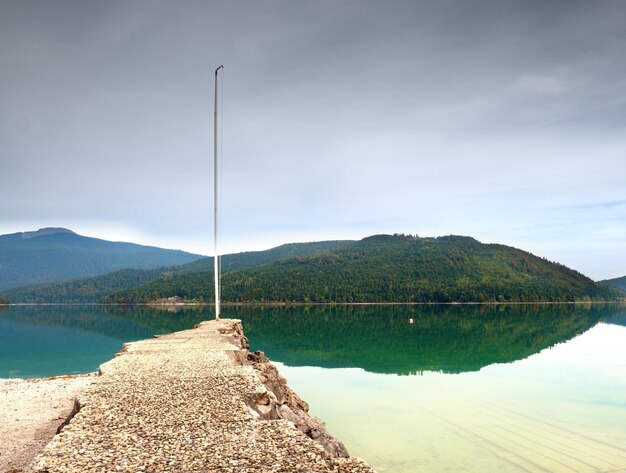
193, 401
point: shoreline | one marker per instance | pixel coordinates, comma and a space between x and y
300, 304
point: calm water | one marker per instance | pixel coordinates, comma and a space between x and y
463, 388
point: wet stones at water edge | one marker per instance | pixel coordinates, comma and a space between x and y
281, 402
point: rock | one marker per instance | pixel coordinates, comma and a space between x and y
290, 406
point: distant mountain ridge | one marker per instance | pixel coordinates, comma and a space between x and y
93, 289
389, 268
57, 254
46, 231
617, 283
380, 268
248, 259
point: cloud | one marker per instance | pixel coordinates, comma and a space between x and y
544, 85
341, 118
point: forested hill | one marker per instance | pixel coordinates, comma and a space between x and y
389, 268
94, 289
248, 259
57, 254
617, 283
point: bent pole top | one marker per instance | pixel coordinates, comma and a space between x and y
215, 181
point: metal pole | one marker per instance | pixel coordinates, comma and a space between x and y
215, 257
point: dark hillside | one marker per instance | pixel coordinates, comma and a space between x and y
390, 268
95, 288
616, 283
57, 254
248, 259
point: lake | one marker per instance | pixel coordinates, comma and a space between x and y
462, 388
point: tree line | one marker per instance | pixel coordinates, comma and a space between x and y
389, 268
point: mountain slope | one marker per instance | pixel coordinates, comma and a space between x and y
248, 259
93, 289
390, 268
617, 283
84, 290
56, 254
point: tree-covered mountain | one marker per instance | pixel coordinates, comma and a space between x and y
617, 283
57, 254
248, 259
84, 290
94, 289
389, 268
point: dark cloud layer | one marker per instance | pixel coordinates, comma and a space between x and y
504, 120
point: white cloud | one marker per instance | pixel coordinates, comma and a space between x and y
550, 85
339, 119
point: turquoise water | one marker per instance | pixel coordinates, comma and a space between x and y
462, 388
57, 340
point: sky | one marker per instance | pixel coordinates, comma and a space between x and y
502, 120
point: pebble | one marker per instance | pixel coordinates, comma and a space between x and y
181, 402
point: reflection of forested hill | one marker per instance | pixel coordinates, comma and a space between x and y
451, 339
87, 318
163, 319
620, 320
447, 338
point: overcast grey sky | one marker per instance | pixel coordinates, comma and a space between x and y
503, 120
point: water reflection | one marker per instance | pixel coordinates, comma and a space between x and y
563, 409
94, 319
50, 341
378, 339
617, 319
443, 338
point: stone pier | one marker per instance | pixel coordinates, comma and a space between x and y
193, 401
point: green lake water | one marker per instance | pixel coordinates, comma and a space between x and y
462, 388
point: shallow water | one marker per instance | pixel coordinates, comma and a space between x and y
462, 388
563, 409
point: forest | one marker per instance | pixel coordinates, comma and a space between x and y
95, 288
388, 268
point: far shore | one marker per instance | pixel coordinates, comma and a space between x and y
300, 304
